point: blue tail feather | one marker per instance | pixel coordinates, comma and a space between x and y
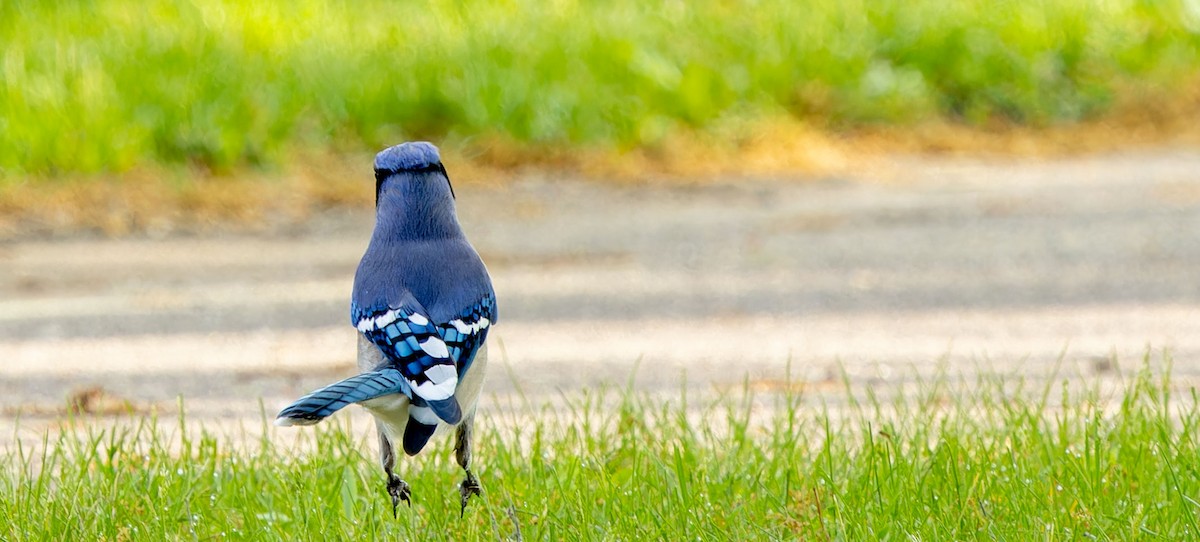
321, 403
447, 410
416, 434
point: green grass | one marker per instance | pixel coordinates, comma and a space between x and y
1003, 462
107, 86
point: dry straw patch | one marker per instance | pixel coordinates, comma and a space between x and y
157, 200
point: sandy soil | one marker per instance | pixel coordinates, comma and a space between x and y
965, 265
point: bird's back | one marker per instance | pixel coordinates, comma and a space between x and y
444, 277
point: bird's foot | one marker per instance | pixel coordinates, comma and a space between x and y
470, 486
399, 491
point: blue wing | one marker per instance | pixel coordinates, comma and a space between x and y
466, 333
431, 356
415, 347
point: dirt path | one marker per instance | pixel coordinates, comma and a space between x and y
978, 266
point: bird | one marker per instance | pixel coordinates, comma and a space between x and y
422, 306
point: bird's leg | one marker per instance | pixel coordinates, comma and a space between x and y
462, 451
396, 488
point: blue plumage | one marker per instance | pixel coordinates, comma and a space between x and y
321, 403
423, 303
408, 157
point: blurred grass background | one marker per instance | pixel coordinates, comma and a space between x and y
102, 86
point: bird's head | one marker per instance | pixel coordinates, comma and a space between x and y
413, 196
415, 162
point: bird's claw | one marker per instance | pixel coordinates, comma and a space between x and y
470, 486
399, 491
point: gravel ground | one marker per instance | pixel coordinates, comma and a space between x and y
1074, 269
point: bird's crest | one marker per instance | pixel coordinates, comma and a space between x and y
412, 156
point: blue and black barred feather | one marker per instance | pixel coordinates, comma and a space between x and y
401, 342
321, 403
464, 345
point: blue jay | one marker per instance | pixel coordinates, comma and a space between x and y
423, 304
